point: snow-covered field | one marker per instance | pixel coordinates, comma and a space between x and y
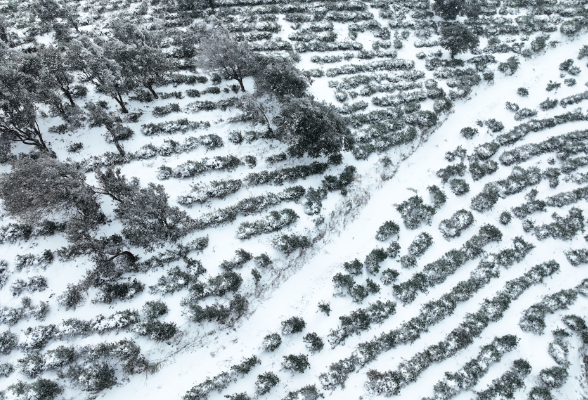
397, 354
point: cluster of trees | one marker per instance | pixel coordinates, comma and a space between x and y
42, 186
39, 185
132, 58
307, 125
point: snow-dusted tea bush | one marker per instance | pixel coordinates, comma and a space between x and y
454, 226
387, 230
414, 212
226, 116
275, 221
271, 342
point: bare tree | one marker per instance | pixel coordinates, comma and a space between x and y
220, 53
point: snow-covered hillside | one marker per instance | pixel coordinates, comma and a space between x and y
438, 253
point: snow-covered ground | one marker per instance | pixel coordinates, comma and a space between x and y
300, 294
295, 284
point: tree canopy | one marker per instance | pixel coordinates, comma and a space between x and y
38, 187
222, 54
457, 38
312, 127
279, 77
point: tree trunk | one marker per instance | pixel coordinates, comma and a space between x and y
267, 121
67, 94
240, 80
121, 103
119, 147
126, 253
42, 146
150, 87
113, 197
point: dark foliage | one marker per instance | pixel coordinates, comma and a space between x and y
313, 128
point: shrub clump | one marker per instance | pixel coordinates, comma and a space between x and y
275, 221
518, 180
494, 125
201, 193
389, 276
271, 342
33, 284
314, 343
506, 385
156, 330
454, 226
408, 261
155, 309
308, 392
439, 197
41, 389
373, 260
451, 170
510, 66
468, 132
459, 187
420, 244
471, 373
554, 377
533, 318
293, 325
505, 218
297, 363
523, 92
265, 382
414, 212
8, 342
162, 111
290, 243
577, 257
393, 250
564, 228
480, 168
548, 104
387, 230
354, 267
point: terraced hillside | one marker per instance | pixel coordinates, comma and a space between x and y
386, 200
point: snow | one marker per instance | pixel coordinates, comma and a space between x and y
299, 294
300, 281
